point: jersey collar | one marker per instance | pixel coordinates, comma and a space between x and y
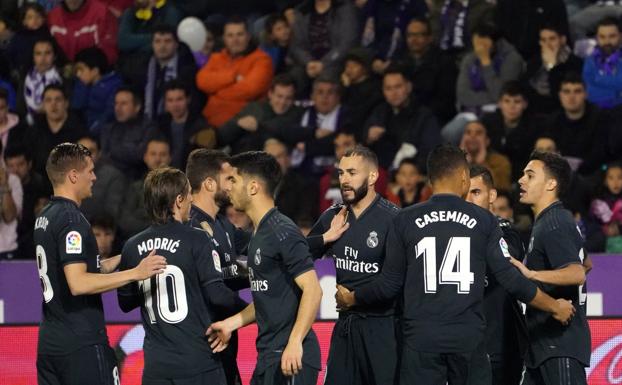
266, 217
367, 209
203, 214
552, 206
63, 199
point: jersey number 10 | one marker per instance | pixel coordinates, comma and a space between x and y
170, 295
458, 252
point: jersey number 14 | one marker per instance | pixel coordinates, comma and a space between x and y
457, 256
171, 298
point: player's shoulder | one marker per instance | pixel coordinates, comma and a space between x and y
387, 207
282, 226
330, 212
555, 218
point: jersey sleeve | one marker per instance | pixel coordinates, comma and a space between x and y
514, 242
316, 235
562, 247
497, 260
294, 250
71, 240
128, 295
388, 284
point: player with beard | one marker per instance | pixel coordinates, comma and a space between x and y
285, 288
208, 172
437, 255
363, 348
506, 331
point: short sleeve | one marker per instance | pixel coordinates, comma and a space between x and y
295, 252
562, 247
126, 263
72, 240
207, 262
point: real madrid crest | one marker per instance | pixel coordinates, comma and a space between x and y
372, 240
258, 257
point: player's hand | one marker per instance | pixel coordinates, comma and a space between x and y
529, 274
564, 312
151, 265
338, 226
345, 298
291, 360
218, 336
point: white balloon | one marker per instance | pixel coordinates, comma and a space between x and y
192, 32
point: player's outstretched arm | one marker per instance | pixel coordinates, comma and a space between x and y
82, 282
219, 333
291, 360
573, 274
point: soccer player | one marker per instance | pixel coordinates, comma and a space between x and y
506, 331
73, 346
558, 354
363, 345
176, 304
209, 174
438, 253
285, 288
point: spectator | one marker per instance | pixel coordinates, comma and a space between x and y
484, 71
410, 185
202, 56
579, 128
93, 92
330, 190
108, 190
545, 143
584, 22
602, 71
476, 144
134, 217
124, 140
36, 193
7, 31
261, 120
170, 60
400, 127
606, 208
137, 24
116, 7
79, 24
511, 129
43, 73
502, 206
434, 72
104, 230
324, 31
11, 201
385, 27
5, 80
235, 76
32, 29
320, 123
296, 196
362, 90
11, 130
179, 124
546, 69
454, 22
521, 21
56, 125
276, 41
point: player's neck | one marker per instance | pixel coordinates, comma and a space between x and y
258, 209
364, 203
543, 204
66, 193
206, 204
450, 188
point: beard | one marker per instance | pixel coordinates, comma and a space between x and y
222, 199
359, 193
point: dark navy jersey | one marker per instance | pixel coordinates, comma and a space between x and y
359, 253
438, 251
229, 242
174, 309
556, 243
506, 330
277, 254
63, 236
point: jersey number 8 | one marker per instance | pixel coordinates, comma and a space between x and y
42, 265
458, 252
170, 295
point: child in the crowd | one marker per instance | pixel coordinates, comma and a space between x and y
201, 57
410, 186
104, 230
276, 39
31, 30
607, 207
43, 73
93, 93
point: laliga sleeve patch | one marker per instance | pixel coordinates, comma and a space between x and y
73, 243
216, 258
504, 248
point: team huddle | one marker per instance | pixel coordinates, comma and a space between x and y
427, 295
